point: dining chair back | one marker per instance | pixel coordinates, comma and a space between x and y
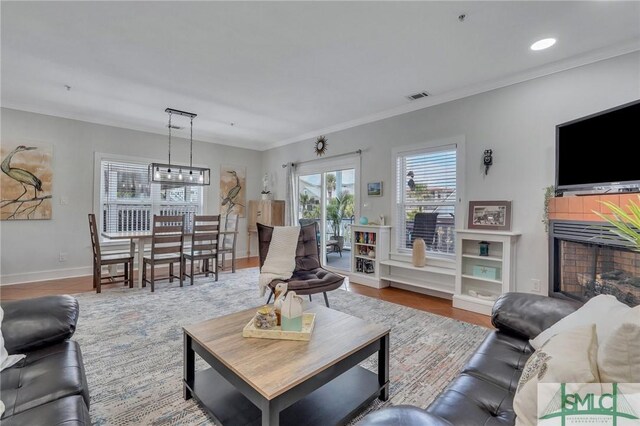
204, 244
424, 226
167, 242
228, 239
100, 259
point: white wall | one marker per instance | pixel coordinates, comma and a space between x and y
30, 249
517, 122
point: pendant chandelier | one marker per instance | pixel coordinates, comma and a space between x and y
176, 174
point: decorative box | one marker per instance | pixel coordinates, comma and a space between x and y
488, 272
292, 324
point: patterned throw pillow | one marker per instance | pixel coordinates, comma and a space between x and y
567, 357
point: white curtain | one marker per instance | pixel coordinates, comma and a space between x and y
291, 199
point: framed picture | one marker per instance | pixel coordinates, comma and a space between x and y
374, 189
232, 190
26, 181
490, 215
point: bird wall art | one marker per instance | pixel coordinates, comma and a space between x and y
25, 182
232, 190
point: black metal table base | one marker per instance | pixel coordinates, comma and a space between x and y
333, 404
331, 397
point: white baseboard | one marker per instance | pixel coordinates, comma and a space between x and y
55, 274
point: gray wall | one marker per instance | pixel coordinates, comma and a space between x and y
517, 122
30, 249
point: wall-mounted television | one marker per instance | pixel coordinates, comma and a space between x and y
599, 150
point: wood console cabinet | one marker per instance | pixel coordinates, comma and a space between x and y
267, 212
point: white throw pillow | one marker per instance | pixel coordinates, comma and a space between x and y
568, 357
6, 360
619, 355
604, 311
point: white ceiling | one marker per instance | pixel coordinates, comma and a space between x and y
285, 71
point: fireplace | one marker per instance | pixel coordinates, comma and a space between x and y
586, 260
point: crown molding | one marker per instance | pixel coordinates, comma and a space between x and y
545, 70
542, 71
255, 146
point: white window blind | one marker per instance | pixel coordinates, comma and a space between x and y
426, 199
128, 201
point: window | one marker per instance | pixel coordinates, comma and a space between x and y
426, 199
128, 201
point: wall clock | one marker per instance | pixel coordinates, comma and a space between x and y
321, 145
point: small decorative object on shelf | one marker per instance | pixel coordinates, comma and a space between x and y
265, 318
488, 272
483, 296
484, 248
364, 220
372, 254
265, 193
419, 252
292, 312
381, 220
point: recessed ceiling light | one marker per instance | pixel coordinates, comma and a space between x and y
545, 43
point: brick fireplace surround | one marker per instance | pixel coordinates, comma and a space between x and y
582, 263
580, 208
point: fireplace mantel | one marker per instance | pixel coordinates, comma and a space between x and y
582, 207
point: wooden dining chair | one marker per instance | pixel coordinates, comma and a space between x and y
227, 241
204, 245
100, 260
167, 241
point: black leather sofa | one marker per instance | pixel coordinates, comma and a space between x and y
482, 394
49, 386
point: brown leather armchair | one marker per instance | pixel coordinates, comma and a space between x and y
309, 277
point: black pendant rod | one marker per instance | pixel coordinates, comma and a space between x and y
183, 113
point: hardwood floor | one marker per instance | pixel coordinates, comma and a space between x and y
419, 301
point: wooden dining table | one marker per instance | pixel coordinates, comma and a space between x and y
140, 239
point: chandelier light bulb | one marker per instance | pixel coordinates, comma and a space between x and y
180, 174
201, 177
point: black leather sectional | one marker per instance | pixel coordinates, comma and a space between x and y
49, 386
482, 394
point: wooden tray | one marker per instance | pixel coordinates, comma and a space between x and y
308, 321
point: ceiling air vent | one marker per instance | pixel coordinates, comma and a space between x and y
417, 96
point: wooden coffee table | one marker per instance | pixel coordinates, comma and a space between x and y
271, 382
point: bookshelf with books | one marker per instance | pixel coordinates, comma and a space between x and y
370, 246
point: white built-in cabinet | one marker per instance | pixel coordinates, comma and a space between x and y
370, 246
481, 279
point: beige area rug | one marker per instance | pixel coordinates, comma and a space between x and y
131, 341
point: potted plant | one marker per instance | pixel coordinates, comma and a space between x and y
626, 222
336, 211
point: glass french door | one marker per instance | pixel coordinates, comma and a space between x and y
329, 198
